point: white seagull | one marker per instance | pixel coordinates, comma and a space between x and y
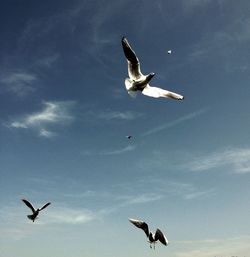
139, 82
169, 51
35, 212
152, 237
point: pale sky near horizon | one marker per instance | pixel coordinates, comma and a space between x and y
65, 115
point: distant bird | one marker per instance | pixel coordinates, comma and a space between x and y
139, 82
169, 51
35, 212
158, 235
129, 137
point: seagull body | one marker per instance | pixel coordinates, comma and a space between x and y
152, 237
35, 212
139, 82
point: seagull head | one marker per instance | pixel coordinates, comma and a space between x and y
150, 76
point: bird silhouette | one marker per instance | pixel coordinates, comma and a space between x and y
139, 82
35, 212
152, 237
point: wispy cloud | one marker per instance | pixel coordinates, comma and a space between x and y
176, 122
191, 5
126, 149
187, 191
14, 220
198, 194
238, 246
225, 43
127, 115
112, 115
47, 61
46, 133
19, 83
237, 158
53, 113
162, 188
140, 198
66, 215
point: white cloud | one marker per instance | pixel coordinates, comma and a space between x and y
175, 122
53, 113
46, 133
19, 83
237, 158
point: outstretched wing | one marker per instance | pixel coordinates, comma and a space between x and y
29, 205
134, 71
159, 92
47, 204
160, 236
140, 224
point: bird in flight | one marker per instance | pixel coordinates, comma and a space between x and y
139, 82
129, 137
152, 237
35, 212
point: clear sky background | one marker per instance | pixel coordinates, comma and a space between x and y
65, 114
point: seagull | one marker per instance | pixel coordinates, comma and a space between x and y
129, 137
35, 212
152, 237
169, 51
139, 82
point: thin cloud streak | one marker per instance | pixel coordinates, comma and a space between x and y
214, 247
69, 216
19, 83
236, 157
126, 149
109, 115
175, 122
140, 199
127, 115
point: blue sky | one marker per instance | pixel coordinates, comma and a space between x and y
65, 114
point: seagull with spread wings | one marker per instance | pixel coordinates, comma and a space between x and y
139, 82
152, 237
35, 212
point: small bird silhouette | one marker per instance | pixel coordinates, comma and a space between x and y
152, 237
35, 212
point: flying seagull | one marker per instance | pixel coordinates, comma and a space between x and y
139, 82
152, 237
35, 212
169, 51
129, 137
